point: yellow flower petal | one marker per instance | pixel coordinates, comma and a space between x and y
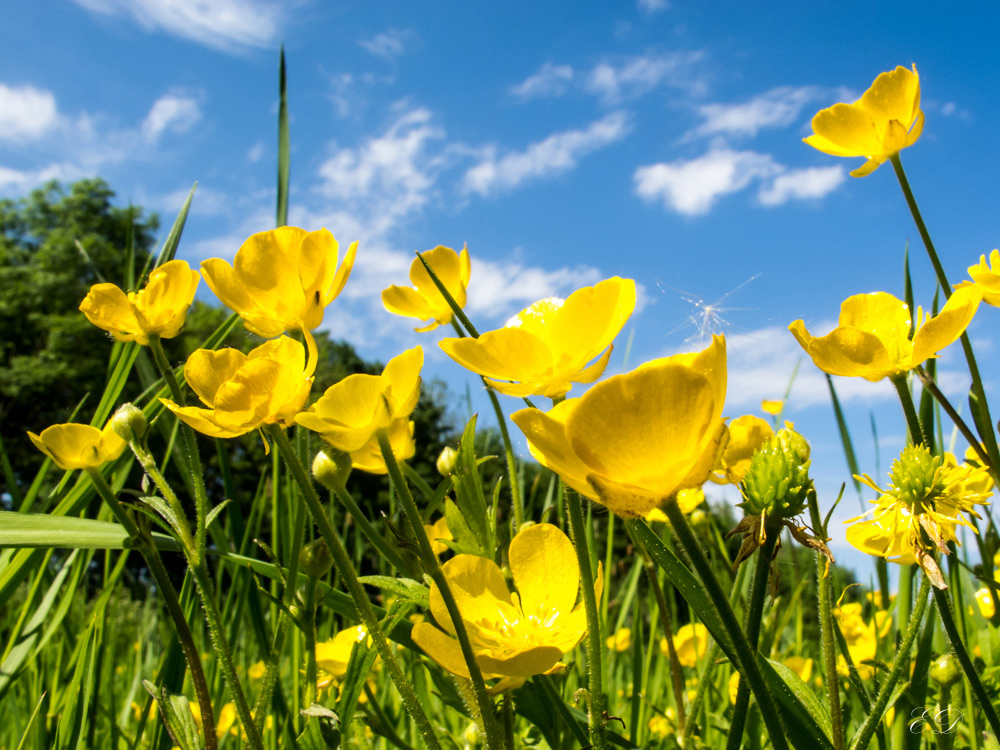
78, 446
531, 661
545, 569
477, 585
503, 354
945, 328
425, 301
549, 444
109, 308
746, 435
442, 648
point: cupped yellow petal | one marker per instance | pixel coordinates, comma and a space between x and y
593, 372
545, 569
227, 286
948, 325
879, 312
503, 354
894, 96
206, 370
401, 380
710, 362
78, 446
369, 457
847, 351
589, 320
402, 300
845, 130
166, 298
109, 308
746, 435
442, 648
517, 662
342, 275
349, 412
873, 538
549, 444
478, 587
202, 420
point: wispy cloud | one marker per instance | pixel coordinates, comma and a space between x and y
800, 184
653, 6
778, 107
174, 112
228, 25
388, 44
556, 154
26, 112
550, 81
692, 187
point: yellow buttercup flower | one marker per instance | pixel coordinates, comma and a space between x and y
78, 446
437, 532
425, 301
690, 643
333, 655
621, 640
886, 119
350, 412
158, 309
635, 440
244, 392
772, 406
687, 501
862, 637
545, 348
987, 277
747, 434
925, 500
257, 670
662, 726
873, 340
801, 666
985, 601
513, 636
281, 280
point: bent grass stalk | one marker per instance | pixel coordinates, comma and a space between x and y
350, 577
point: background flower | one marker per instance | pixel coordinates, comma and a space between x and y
425, 301
78, 446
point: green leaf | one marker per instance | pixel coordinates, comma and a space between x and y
284, 144
815, 718
174, 238
405, 588
45, 531
322, 730
469, 492
175, 710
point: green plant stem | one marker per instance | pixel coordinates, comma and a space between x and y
901, 664
909, 411
174, 609
203, 582
350, 577
517, 501
190, 445
824, 589
370, 532
595, 647
309, 627
508, 721
987, 435
754, 615
943, 602
745, 654
149, 466
433, 568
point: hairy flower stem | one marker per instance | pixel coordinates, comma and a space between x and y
754, 615
433, 568
746, 655
988, 436
899, 666
149, 466
190, 446
517, 501
595, 645
824, 588
909, 411
370, 532
508, 721
349, 575
174, 609
943, 602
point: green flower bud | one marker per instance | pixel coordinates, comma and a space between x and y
777, 482
698, 517
946, 670
914, 475
129, 423
315, 558
446, 461
331, 468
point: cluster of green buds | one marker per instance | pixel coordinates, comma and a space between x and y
776, 489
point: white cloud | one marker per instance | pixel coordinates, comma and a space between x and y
799, 184
389, 44
228, 25
16, 181
256, 151
556, 154
175, 112
26, 112
550, 80
692, 187
639, 75
498, 290
653, 6
777, 108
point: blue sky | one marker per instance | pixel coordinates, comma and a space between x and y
564, 142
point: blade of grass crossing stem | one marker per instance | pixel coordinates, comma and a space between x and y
129, 282
284, 145
845, 439
174, 238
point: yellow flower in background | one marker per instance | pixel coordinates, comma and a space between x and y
159, 309
545, 348
927, 496
257, 670
246, 391
985, 601
662, 726
747, 434
436, 532
333, 655
734, 687
514, 636
772, 406
425, 301
872, 340
690, 642
349, 413
987, 277
687, 501
636, 440
862, 637
621, 640
78, 446
281, 280
801, 666
886, 119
